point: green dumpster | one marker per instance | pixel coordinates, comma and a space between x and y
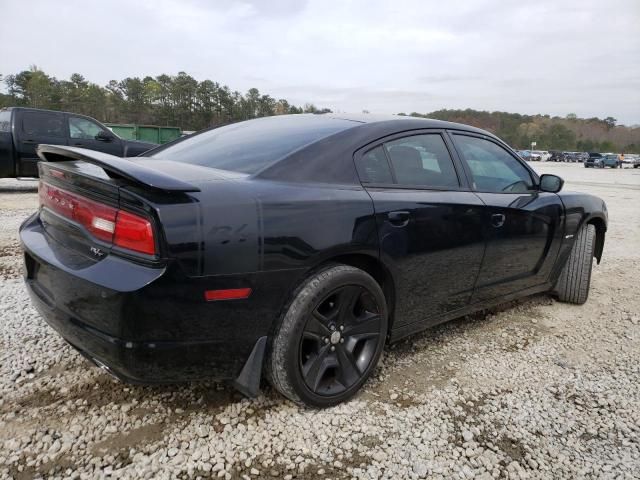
145, 133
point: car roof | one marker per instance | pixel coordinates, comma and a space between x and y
330, 159
31, 109
401, 122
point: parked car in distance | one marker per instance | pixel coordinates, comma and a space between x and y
295, 246
573, 157
592, 159
556, 156
543, 154
535, 156
608, 160
529, 155
636, 161
22, 129
628, 158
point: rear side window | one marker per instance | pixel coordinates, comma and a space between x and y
493, 168
42, 124
422, 160
5, 120
248, 147
373, 167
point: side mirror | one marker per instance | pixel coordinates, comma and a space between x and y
104, 136
551, 183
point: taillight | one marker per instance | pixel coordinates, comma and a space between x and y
135, 233
106, 223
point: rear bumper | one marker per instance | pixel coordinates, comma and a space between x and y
140, 362
143, 324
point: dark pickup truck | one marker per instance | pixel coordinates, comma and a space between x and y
22, 129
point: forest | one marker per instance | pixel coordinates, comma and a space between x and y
183, 101
174, 100
568, 133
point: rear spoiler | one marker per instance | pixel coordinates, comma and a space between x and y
117, 166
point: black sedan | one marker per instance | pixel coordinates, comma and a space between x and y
294, 247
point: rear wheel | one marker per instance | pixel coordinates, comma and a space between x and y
330, 338
573, 284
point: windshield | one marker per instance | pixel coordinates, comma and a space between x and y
250, 146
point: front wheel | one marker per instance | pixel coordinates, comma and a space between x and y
330, 338
574, 281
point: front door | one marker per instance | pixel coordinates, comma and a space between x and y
83, 131
37, 128
522, 224
430, 230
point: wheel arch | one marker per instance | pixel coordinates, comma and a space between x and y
374, 267
601, 229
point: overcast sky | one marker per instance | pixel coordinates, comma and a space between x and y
554, 57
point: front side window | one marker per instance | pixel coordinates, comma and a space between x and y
422, 160
492, 168
41, 124
83, 128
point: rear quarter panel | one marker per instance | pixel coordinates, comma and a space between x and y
261, 225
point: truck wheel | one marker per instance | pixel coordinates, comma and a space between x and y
573, 284
330, 338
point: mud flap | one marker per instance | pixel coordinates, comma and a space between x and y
248, 382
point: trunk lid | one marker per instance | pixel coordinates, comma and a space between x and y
89, 198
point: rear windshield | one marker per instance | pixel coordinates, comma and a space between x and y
250, 146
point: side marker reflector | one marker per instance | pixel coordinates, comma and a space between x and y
227, 294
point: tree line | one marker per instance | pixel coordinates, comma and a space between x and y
568, 133
181, 100
170, 100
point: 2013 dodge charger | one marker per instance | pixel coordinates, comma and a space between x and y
294, 247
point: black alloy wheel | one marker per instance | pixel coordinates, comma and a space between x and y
330, 337
339, 340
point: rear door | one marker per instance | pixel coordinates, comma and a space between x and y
522, 224
429, 227
33, 128
83, 131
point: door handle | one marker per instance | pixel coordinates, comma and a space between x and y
398, 219
497, 220
29, 141
79, 144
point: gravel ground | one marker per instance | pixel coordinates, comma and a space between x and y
535, 389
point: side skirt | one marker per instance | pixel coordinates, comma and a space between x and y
406, 330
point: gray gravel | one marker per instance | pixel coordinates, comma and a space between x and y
535, 389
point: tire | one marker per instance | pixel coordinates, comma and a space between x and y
330, 337
573, 284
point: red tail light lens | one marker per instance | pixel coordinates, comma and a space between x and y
106, 223
135, 233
